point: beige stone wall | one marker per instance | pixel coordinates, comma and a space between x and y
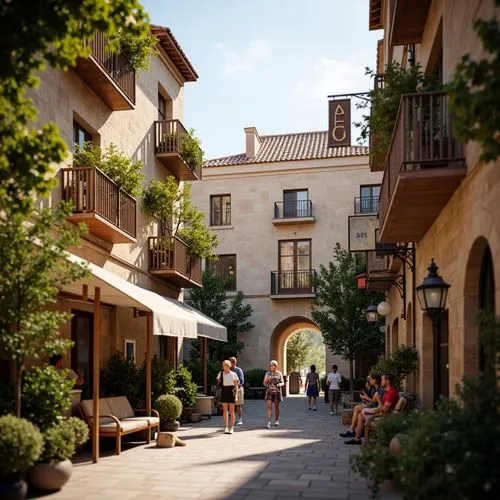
332, 184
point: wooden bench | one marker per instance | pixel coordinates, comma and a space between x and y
117, 418
371, 427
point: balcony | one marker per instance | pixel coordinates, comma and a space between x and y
293, 284
366, 205
425, 166
169, 135
109, 74
408, 21
295, 212
171, 260
379, 275
109, 212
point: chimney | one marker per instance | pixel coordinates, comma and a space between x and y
253, 141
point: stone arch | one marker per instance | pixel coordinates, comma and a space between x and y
395, 335
283, 331
479, 293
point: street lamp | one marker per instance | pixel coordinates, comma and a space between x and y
371, 313
432, 293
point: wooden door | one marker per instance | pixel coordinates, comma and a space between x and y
442, 377
82, 333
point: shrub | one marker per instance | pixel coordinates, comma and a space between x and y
169, 407
59, 443
191, 151
21, 444
180, 384
46, 395
138, 49
160, 371
6, 399
79, 428
401, 363
194, 365
359, 384
254, 377
121, 379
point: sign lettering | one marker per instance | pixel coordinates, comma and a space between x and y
339, 118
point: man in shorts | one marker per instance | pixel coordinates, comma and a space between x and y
241, 394
333, 382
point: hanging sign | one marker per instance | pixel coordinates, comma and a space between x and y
339, 123
361, 235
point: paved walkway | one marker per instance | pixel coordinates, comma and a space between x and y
304, 458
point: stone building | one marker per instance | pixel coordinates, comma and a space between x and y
105, 101
438, 200
278, 209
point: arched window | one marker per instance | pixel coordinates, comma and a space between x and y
486, 296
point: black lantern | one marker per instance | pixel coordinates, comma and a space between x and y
432, 292
371, 313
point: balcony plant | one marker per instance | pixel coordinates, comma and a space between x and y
115, 164
169, 408
21, 444
137, 49
401, 363
383, 105
191, 151
165, 201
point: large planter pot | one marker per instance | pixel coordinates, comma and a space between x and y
294, 383
186, 414
169, 426
15, 490
50, 476
396, 445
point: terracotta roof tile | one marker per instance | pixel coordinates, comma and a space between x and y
290, 147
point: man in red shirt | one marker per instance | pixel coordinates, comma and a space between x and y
389, 402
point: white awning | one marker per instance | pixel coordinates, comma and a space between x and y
169, 316
207, 327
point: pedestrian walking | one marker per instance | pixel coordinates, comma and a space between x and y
312, 387
228, 382
241, 392
333, 381
273, 380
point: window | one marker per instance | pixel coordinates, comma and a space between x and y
296, 203
130, 349
162, 108
369, 196
225, 266
220, 210
295, 265
80, 136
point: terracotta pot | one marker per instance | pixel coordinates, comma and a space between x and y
186, 414
16, 490
50, 476
168, 426
396, 444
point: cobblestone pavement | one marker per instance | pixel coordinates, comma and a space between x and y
303, 458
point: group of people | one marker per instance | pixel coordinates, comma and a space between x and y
230, 380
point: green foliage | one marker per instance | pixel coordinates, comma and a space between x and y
164, 201
120, 378
79, 428
254, 377
138, 49
474, 92
401, 363
296, 352
21, 444
6, 398
191, 151
169, 407
339, 309
211, 299
160, 372
115, 164
59, 443
359, 384
383, 105
194, 366
180, 384
46, 395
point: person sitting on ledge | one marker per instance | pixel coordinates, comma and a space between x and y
57, 361
371, 399
389, 402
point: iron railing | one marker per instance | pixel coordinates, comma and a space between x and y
292, 209
92, 191
293, 282
116, 65
366, 205
422, 139
170, 253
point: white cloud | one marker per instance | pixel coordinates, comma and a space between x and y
332, 76
245, 59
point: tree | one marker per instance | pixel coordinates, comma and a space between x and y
166, 202
211, 299
474, 92
401, 363
296, 352
339, 309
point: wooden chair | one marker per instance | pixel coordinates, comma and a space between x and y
370, 428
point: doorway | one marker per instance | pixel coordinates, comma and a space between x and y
442, 372
82, 335
295, 266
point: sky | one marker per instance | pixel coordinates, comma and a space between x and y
269, 64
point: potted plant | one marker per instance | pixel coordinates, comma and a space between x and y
170, 408
21, 444
181, 385
54, 467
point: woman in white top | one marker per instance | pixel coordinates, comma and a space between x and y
228, 382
